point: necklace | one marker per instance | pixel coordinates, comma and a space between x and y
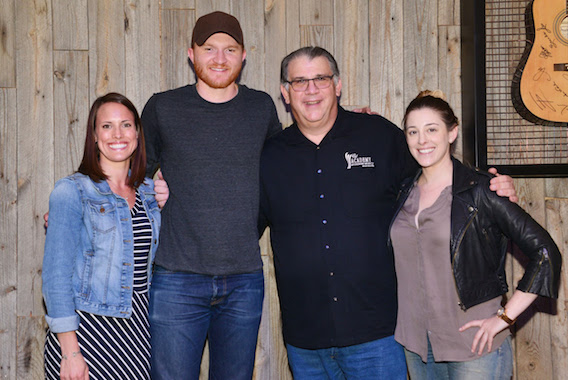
124, 194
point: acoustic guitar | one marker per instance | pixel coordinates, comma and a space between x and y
540, 84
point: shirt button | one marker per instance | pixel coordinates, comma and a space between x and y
102, 209
331, 274
327, 246
322, 196
324, 221
319, 171
335, 299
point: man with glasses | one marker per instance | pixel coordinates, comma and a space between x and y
328, 188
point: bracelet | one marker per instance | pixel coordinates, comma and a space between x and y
73, 354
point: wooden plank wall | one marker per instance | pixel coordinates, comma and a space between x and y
56, 56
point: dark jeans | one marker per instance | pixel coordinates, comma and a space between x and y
381, 359
185, 308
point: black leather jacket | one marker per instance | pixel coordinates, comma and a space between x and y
482, 222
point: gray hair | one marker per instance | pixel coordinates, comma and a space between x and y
310, 52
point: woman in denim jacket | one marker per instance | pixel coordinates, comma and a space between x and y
450, 237
100, 244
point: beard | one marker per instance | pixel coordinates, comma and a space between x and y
201, 71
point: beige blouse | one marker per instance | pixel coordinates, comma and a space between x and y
427, 296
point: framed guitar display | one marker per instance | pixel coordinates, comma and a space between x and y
515, 85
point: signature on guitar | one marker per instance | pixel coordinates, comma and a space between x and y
540, 87
541, 72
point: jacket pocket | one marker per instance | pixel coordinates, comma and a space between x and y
102, 215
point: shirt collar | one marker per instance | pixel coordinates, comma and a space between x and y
294, 136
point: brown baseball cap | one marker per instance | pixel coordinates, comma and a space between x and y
216, 22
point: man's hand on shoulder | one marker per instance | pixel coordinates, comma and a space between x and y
503, 185
162, 190
366, 110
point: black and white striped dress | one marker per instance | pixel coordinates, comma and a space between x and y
115, 348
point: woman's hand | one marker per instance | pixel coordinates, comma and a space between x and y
74, 368
488, 328
73, 365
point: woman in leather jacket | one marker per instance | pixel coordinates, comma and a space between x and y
100, 244
450, 236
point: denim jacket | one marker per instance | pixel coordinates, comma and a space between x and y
88, 261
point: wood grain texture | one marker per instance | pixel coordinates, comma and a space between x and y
317, 12
7, 44
70, 30
176, 40
420, 47
8, 232
386, 59
251, 16
556, 214
203, 7
448, 12
275, 39
178, 4
352, 51
71, 109
556, 188
30, 340
449, 71
34, 145
317, 35
106, 47
532, 339
142, 50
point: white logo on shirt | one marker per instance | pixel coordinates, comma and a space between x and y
353, 159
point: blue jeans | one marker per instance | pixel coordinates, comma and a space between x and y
378, 359
497, 365
185, 308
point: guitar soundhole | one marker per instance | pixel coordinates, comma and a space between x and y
564, 28
560, 23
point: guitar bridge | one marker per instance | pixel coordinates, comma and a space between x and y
561, 67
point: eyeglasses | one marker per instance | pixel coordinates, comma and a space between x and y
321, 82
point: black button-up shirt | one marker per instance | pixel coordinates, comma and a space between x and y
329, 207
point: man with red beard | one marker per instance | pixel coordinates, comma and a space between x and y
208, 280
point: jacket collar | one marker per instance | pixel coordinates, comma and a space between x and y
464, 178
103, 187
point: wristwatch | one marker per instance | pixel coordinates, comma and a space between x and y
502, 313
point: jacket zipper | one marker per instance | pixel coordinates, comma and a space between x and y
461, 304
542, 258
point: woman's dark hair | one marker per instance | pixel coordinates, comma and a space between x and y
90, 164
434, 101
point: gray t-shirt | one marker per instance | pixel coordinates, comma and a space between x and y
209, 155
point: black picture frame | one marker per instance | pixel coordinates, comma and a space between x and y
474, 104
